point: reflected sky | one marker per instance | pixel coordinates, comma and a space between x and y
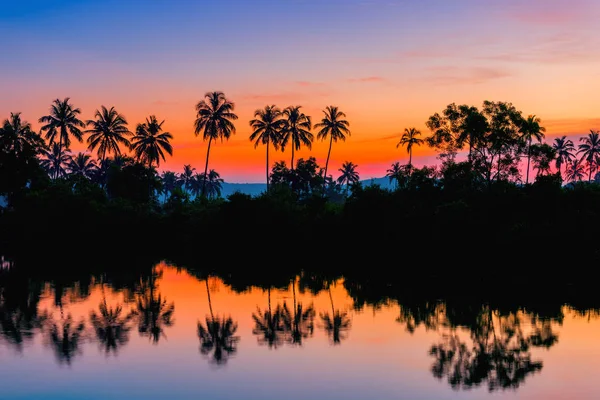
171, 335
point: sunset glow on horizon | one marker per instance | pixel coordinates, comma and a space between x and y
387, 64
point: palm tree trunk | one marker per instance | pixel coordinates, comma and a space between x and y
331, 300
590, 174
209, 301
292, 166
206, 168
528, 159
267, 166
328, 154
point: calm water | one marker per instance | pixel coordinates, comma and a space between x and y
178, 336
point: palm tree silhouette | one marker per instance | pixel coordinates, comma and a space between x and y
575, 171
149, 142
296, 129
108, 130
268, 325
530, 129
186, 179
54, 161
214, 120
337, 324
299, 322
349, 175
590, 150
82, 165
218, 335
152, 310
169, 182
267, 125
397, 173
334, 126
111, 326
64, 338
61, 123
213, 184
16, 135
409, 139
564, 151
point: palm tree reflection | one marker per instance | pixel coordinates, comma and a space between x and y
152, 310
111, 326
268, 325
337, 324
298, 322
64, 338
217, 335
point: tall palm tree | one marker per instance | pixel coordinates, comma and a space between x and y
531, 129
564, 151
55, 160
108, 130
349, 175
296, 129
149, 142
575, 171
62, 122
82, 165
214, 120
299, 322
409, 139
218, 335
334, 126
337, 324
590, 150
16, 135
267, 124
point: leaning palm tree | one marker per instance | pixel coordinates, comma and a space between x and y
107, 132
62, 123
590, 150
575, 171
149, 143
409, 139
218, 335
54, 161
531, 129
349, 175
214, 120
82, 165
296, 129
267, 124
334, 126
564, 151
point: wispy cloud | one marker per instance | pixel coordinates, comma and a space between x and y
367, 79
450, 75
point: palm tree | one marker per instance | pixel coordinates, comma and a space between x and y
564, 151
218, 335
349, 175
296, 129
152, 311
61, 123
214, 120
267, 124
214, 184
186, 178
108, 130
111, 326
530, 129
409, 139
269, 325
150, 143
169, 182
337, 324
395, 173
300, 321
65, 338
590, 150
334, 126
81, 165
16, 135
575, 171
54, 161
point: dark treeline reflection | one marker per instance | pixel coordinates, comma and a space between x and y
486, 338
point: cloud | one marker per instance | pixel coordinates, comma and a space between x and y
450, 75
368, 79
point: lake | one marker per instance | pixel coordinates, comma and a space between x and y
172, 333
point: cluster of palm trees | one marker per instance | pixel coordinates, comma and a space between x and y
192, 182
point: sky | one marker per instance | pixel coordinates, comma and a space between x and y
387, 64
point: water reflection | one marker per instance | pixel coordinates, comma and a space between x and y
465, 343
217, 335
